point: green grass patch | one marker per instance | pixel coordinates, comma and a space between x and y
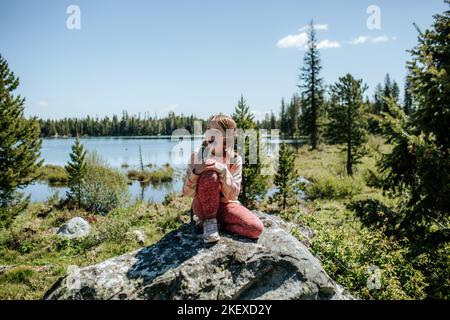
158, 175
31, 242
53, 175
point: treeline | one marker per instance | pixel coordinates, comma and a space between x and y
126, 125
291, 121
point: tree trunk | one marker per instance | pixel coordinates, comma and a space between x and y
349, 159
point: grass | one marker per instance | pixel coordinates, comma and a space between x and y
37, 257
158, 175
53, 175
349, 250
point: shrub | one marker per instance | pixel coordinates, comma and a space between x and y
349, 252
103, 189
17, 276
333, 187
374, 211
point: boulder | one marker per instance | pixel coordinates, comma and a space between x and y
180, 266
74, 228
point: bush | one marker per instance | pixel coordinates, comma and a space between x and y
333, 187
350, 253
374, 211
17, 276
103, 189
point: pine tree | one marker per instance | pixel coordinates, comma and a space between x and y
348, 123
283, 120
286, 177
254, 183
312, 90
407, 99
418, 168
293, 116
20, 146
76, 169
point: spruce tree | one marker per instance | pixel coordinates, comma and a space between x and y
407, 99
312, 90
348, 123
20, 145
286, 177
283, 120
418, 168
254, 184
76, 169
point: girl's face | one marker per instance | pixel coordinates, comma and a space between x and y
215, 138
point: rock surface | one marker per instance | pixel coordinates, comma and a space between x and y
276, 266
74, 228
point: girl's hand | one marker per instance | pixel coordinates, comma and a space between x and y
208, 164
219, 167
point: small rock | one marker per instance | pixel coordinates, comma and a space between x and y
139, 235
74, 228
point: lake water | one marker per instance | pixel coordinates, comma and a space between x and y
118, 151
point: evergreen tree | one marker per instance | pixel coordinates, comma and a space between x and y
418, 168
254, 183
390, 90
348, 123
312, 90
19, 146
286, 177
293, 117
283, 119
407, 99
76, 169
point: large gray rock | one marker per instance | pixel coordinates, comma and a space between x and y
276, 266
74, 228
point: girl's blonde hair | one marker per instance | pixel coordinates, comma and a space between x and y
225, 123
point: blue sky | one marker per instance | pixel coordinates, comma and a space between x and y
195, 56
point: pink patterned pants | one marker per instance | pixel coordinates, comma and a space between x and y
232, 217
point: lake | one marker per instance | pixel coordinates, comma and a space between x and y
118, 151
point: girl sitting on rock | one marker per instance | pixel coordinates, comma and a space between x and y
213, 177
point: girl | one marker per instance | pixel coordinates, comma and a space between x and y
213, 177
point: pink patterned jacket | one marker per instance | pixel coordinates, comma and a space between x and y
230, 176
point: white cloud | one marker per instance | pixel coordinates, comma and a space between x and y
380, 39
300, 40
328, 44
42, 104
293, 41
360, 40
366, 39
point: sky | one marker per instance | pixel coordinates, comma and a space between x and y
197, 56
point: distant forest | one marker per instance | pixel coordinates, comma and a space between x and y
289, 119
